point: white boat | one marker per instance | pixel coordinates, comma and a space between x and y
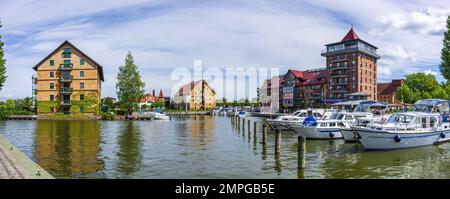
325, 128
160, 116
405, 130
284, 122
365, 114
376, 113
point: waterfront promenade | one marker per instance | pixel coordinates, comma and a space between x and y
15, 165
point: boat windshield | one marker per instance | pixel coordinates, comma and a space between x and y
361, 108
337, 116
399, 118
432, 106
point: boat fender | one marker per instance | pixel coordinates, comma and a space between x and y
397, 138
331, 134
442, 135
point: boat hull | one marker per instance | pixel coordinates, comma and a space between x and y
281, 125
382, 140
312, 132
349, 135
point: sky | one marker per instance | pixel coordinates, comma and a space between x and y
167, 34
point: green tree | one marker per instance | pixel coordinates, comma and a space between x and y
10, 104
246, 102
2, 63
445, 53
129, 87
420, 86
224, 101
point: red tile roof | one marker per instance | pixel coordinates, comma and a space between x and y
350, 36
389, 88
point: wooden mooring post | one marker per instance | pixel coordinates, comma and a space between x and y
301, 152
255, 129
243, 124
248, 126
277, 141
238, 123
264, 134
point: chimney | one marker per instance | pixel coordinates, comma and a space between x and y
153, 92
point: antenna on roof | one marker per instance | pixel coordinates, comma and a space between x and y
352, 26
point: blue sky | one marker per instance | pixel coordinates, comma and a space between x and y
164, 35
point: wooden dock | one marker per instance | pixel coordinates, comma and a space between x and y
187, 113
16, 165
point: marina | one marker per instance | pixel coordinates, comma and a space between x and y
208, 147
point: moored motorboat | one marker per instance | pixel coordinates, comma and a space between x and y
325, 128
405, 130
285, 122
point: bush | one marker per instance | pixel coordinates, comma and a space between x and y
107, 116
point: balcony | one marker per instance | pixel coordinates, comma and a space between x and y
66, 103
341, 90
65, 67
65, 79
66, 91
336, 74
341, 83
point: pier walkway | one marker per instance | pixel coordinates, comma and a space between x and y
16, 165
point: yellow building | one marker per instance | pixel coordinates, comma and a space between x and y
198, 94
68, 81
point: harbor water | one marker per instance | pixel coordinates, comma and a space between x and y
205, 147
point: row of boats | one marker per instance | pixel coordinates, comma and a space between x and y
373, 124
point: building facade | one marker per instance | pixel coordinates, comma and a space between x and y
387, 91
68, 81
351, 67
195, 96
310, 90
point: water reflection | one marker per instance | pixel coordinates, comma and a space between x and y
130, 147
67, 148
206, 147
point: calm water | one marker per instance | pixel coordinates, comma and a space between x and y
205, 147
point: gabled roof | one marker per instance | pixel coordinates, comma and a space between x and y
186, 88
100, 68
389, 88
161, 94
350, 36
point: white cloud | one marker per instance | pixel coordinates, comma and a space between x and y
287, 34
396, 53
384, 71
428, 21
429, 71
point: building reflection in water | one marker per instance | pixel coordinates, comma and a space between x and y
201, 131
130, 148
68, 148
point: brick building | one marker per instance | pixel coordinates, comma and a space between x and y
351, 67
387, 91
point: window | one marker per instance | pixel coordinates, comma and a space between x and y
81, 109
67, 50
81, 97
66, 61
81, 85
81, 61
52, 62
52, 86
52, 97
81, 73
52, 74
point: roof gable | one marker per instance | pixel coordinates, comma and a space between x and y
350, 36
100, 68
